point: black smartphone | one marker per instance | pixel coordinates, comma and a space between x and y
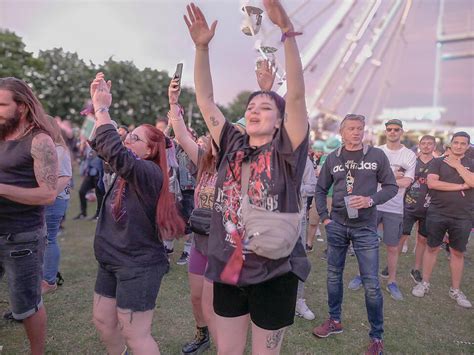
178, 72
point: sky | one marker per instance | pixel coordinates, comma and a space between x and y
153, 34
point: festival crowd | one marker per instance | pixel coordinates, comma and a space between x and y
249, 199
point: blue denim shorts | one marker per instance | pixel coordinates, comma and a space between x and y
135, 288
21, 259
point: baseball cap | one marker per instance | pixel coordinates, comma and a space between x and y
395, 122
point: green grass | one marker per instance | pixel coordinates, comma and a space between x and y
431, 325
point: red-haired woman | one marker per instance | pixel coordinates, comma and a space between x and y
138, 212
204, 157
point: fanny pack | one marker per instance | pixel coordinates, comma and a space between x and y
200, 221
272, 235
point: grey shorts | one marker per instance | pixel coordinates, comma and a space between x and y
392, 227
135, 288
21, 259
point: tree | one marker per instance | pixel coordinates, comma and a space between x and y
237, 107
63, 86
15, 60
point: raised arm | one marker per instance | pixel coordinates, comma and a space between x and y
175, 117
201, 35
296, 117
45, 163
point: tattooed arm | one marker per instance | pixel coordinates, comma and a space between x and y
45, 159
201, 35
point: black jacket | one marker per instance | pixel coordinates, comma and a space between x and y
129, 238
373, 169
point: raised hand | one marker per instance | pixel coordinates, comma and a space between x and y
100, 92
174, 90
277, 14
265, 75
198, 28
452, 162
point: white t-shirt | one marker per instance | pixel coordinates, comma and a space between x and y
405, 160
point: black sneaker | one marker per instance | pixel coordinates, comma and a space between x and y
309, 248
59, 279
416, 276
79, 216
199, 344
183, 260
169, 251
384, 273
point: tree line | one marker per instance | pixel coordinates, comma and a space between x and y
60, 80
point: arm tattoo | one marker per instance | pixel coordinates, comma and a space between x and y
214, 121
45, 161
273, 339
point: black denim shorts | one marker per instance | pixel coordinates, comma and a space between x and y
271, 304
134, 287
21, 259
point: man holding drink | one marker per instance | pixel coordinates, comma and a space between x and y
355, 170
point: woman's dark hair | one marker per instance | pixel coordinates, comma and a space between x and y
279, 101
168, 220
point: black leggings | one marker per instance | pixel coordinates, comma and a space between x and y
89, 183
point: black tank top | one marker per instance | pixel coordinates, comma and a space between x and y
16, 168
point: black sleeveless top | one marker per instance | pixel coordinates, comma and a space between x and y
16, 168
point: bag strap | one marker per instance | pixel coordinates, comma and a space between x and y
245, 178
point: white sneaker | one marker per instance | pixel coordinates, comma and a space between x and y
421, 289
405, 248
302, 310
461, 299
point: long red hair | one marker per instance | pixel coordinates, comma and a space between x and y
168, 220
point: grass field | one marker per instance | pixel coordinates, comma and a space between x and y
432, 325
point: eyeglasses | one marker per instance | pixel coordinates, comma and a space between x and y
133, 138
393, 129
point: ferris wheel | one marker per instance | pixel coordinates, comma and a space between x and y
350, 38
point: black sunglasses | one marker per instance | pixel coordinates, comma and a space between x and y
393, 129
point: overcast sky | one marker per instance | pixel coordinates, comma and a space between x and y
153, 34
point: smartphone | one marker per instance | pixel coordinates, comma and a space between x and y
178, 72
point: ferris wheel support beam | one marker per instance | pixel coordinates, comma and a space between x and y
322, 37
366, 53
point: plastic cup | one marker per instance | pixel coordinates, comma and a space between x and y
351, 212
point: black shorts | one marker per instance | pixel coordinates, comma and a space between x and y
271, 304
409, 220
134, 288
458, 230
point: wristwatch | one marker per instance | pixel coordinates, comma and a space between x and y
371, 202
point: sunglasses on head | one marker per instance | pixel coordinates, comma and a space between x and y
393, 129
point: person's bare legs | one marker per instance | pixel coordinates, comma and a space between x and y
136, 330
208, 308
266, 342
231, 334
456, 264
402, 241
105, 320
392, 260
429, 261
419, 251
196, 288
35, 327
